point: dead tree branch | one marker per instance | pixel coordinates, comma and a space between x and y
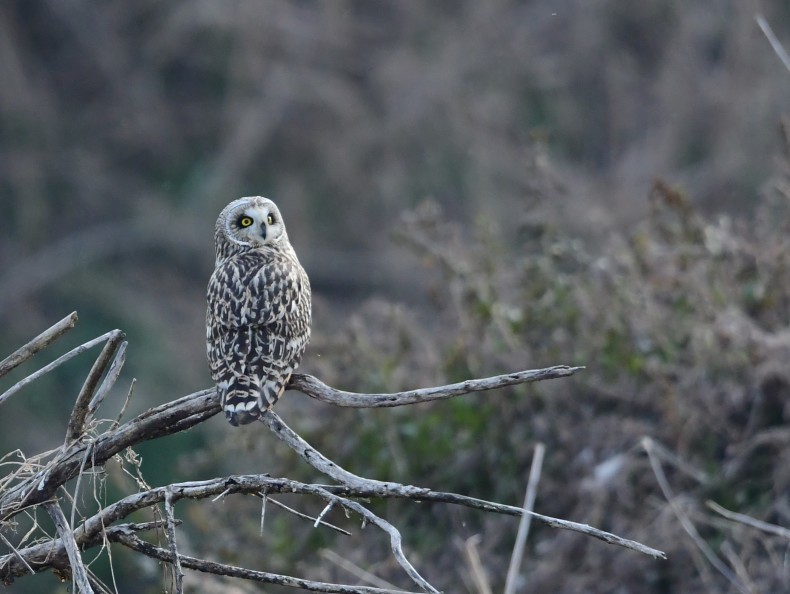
40, 342
79, 571
42, 480
315, 388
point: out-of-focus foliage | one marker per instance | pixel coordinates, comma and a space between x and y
536, 129
683, 326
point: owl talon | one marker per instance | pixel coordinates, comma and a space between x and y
241, 417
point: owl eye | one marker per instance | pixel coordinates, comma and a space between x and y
270, 219
245, 221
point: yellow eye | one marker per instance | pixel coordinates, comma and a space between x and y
245, 221
270, 219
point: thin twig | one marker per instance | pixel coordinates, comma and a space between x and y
355, 570
473, 557
668, 455
171, 539
779, 50
17, 554
264, 499
685, 522
396, 544
79, 414
749, 521
126, 401
524, 523
98, 585
56, 363
79, 572
133, 542
325, 511
317, 521
109, 380
38, 343
740, 569
81, 473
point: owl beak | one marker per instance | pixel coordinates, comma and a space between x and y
263, 231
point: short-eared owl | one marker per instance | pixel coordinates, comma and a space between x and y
258, 318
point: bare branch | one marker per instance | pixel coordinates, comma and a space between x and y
166, 419
510, 510
90, 532
317, 389
776, 45
324, 465
396, 544
39, 342
749, 521
132, 541
685, 522
79, 572
109, 381
36, 480
171, 539
355, 570
17, 554
316, 521
478, 574
354, 485
192, 409
80, 413
523, 525
56, 363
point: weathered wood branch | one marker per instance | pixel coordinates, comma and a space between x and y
89, 533
135, 543
315, 388
188, 411
79, 415
78, 569
40, 480
40, 342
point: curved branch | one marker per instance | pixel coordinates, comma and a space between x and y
51, 553
315, 388
188, 411
39, 342
135, 543
37, 480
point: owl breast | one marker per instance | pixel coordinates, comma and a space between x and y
257, 328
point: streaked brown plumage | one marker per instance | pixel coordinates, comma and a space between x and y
258, 316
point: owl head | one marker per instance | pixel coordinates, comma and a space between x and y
249, 223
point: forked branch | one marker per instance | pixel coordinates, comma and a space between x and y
43, 479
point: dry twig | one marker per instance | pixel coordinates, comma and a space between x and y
79, 414
79, 572
649, 446
749, 521
776, 45
38, 343
523, 525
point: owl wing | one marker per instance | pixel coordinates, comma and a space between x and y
258, 325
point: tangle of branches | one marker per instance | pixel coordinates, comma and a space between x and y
51, 480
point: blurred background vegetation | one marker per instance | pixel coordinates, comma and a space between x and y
474, 188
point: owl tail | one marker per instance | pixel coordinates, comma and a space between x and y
244, 403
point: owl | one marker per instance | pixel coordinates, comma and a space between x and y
258, 316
